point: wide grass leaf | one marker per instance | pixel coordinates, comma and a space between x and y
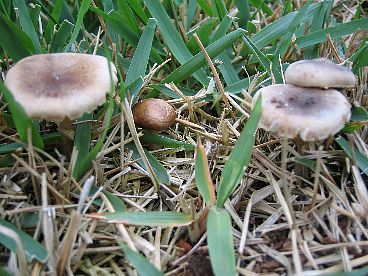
172, 38
359, 114
220, 242
263, 60
157, 167
140, 263
203, 176
168, 218
135, 5
163, 140
13, 40
239, 157
138, 65
61, 36
78, 25
21, 119
85, 163
199, 60
127, 15
115, 201
55, 15
32, 248
335, 32
360, 159
286, 38
27, 24
82, 139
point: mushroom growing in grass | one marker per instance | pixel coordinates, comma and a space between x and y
154, 115
61, 87
319, 72
308, 113
56, 86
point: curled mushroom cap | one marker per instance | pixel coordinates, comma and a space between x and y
311, 113
320, 72
55, 86
154, 114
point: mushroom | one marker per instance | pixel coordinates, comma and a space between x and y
55, 86
310, 113
154, 114
319, 72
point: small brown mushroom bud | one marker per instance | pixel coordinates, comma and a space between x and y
154, 114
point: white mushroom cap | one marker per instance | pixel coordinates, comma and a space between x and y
55, 86
311, 113
320, 72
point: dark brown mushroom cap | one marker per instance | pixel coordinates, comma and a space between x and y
154, 114
320, 72
55, 86
311, 113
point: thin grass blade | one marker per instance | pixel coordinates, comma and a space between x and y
164, 219
140, 263
21, 119
172, 38
138, 65
78, 25
27, 24
14, 41
203, 176
163, 140
32, 248
335, 32
157, 167
220, 242
239, 157
360, 159
199, 60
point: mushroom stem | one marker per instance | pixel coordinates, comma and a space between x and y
300, 170
66, 131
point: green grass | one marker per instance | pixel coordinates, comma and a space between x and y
206, 185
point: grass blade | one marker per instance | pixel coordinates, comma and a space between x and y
115, 201
127, 15
239, 157
163, 140
203, 176
157, 167
82, 139
32, 248
55, 15
164, 219
140, 263
14, 41
138, 10
78, 25
61, 36
263, 60
172, 37
21, 119
138, 65
360, 159
286, 38
199, 60
220, 242
335, 32
86, 163
27, 24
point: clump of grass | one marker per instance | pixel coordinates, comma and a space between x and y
125, 199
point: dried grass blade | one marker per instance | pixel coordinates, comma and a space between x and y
203, 177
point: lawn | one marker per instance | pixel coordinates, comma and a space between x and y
217, 192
